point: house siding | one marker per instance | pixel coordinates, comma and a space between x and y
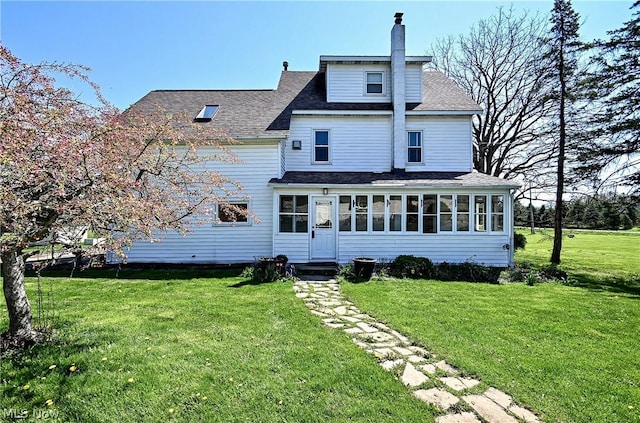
357, 143
413, 84
346, 83
446, 143
225, 243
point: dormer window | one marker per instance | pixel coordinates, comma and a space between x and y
206, 114
375, 82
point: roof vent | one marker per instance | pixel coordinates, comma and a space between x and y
206, 114
398, 17
285, 65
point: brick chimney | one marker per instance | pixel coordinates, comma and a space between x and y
398, 72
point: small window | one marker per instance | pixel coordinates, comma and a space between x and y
294, 213
233, 213
321, 146
414, 143
374, 82
206, 114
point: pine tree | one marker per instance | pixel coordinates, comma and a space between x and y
562, 57
613, 145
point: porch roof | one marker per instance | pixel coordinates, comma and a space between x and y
393, 179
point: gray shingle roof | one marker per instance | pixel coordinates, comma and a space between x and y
267, 113
408, 179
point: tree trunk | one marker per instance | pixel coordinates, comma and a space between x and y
21, 330
557, 227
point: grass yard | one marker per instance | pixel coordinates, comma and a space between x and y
571, 353
178, 347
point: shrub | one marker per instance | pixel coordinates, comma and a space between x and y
519, 241
552, 271
467, 271
407, 266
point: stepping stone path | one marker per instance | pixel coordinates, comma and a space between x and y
431, 379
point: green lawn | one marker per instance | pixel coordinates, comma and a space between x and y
210, 350
571, 353
190, 346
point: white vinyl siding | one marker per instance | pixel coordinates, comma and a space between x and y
446, 143
347, 84
357, 143
413, 84
226, 243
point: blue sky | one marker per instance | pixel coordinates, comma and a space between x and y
135, 47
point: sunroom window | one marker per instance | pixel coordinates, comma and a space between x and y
497, 213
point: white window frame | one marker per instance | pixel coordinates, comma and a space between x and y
420, 147
220, 222
313, 150
382, 83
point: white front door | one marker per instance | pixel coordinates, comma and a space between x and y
323, 229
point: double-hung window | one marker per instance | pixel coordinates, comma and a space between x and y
321, 146
294, 213
375, 83
430, 213
414, 147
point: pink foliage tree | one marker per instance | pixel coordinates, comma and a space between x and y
68, 164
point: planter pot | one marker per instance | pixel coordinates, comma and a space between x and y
363, 267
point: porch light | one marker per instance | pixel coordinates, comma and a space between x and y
325, 191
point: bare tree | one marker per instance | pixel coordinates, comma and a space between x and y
498, 63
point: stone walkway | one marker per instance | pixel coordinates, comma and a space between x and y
461, 399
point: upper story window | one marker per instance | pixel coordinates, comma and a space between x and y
414, 147
321, 146
206, 114
375, 83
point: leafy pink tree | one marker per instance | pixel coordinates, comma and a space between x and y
68, 164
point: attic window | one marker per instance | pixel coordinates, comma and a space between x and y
375, 82
206, 114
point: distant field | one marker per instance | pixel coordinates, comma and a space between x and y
603, 258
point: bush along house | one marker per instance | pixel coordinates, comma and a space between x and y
366, 156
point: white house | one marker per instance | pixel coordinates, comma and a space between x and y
367, 156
